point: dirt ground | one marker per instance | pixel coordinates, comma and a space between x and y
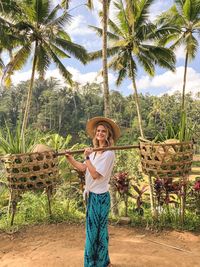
62, 245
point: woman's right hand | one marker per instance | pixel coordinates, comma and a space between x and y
68, 154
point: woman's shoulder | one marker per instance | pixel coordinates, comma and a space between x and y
109, 153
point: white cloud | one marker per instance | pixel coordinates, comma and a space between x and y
79, 77
21, 76
93, 44
78, 26
90, 77
5, 57
171, 82
180, 52
158, 7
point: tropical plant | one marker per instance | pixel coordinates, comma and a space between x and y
42, 31
11, 143
121, 181
176, 131
139, 200
194, 196
129, 38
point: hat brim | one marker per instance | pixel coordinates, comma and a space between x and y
91, 124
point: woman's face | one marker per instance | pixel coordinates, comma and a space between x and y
101, 133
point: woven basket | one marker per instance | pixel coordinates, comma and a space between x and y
31, 171
166, 160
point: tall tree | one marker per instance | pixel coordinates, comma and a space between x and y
105, 8
129, 38
43, 31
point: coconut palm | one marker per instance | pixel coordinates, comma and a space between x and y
130, 36
42, 31
185, 16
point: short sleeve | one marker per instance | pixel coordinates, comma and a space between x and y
105, 163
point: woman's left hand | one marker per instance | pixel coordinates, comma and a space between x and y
88, 151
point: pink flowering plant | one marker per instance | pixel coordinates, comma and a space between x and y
123, 185
165, 191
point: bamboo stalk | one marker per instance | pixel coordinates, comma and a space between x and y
98, 149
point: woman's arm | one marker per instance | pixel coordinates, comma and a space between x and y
89, 165
92, 170
76, 164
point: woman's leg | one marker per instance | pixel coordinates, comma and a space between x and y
103, 259
92, 230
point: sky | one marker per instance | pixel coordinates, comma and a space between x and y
164, 81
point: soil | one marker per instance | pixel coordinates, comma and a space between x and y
62, 245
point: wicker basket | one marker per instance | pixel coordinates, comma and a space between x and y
166, 160
31, 171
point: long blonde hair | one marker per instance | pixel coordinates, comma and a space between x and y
109, 134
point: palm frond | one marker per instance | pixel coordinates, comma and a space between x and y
98, 54
99, 32
114, 28
59, 52
52, 14
123, 20
62, 20
43, 60
122, 74
168, 17
162, 56
188, 10
143, 12
191, 45
17, 62
64, 35
1, 63
74, 49
90, 5
42, 9
147, 63
65, 73
65, 4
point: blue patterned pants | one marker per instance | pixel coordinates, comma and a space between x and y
96, 246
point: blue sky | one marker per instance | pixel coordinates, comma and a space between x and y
163, 82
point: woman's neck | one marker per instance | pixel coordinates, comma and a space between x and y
102, 144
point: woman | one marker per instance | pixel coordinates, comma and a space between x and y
98, 168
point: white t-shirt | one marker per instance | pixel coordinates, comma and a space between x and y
104, 164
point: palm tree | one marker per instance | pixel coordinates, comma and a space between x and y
184, 15
130, 36
43, 31
105, 8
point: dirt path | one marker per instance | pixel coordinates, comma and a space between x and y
62, 246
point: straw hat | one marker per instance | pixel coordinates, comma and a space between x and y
91, 124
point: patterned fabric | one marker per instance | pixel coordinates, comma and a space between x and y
96, 246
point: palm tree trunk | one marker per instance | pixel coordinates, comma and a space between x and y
136, 99
104, 56
184, 81
106, 92
28, 101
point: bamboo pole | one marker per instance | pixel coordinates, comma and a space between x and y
98, 149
